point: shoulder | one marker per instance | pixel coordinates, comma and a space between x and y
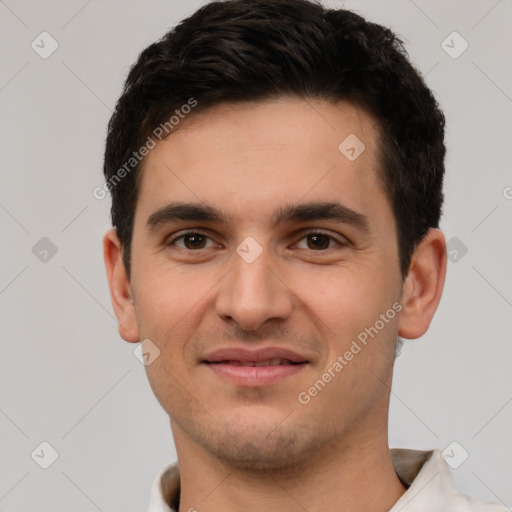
463, 503
430, 485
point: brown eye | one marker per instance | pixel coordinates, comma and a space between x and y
194, 241
318, 241
190, 241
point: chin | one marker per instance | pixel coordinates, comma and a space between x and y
261, 446
259, 456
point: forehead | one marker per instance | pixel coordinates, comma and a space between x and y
250, 157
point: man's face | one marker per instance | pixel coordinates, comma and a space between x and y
243, 281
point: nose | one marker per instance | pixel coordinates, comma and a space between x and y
253, 293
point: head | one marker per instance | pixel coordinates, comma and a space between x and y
304, 154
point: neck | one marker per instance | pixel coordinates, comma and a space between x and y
355, 474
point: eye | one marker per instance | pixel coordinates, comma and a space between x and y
192, 240
313, 240
320, 241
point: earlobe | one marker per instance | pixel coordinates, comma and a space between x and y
423, 286
120, 289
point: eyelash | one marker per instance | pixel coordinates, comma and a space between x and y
303, 235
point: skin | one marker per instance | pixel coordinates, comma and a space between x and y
260, 449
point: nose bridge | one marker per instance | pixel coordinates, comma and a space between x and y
253, 278
251, 292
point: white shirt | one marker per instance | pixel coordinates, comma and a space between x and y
425, 473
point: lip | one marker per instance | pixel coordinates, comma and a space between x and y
226, 364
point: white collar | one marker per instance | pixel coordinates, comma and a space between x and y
425, 473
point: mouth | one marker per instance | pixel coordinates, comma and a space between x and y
255, 368
267, 362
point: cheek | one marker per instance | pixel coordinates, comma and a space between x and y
171, 304
168, 305
344, 300
347, 308
166, 296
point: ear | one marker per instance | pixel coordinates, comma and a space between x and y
423, 285
120, 289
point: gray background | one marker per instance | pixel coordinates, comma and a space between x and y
68, 379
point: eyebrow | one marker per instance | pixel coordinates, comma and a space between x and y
289, 213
